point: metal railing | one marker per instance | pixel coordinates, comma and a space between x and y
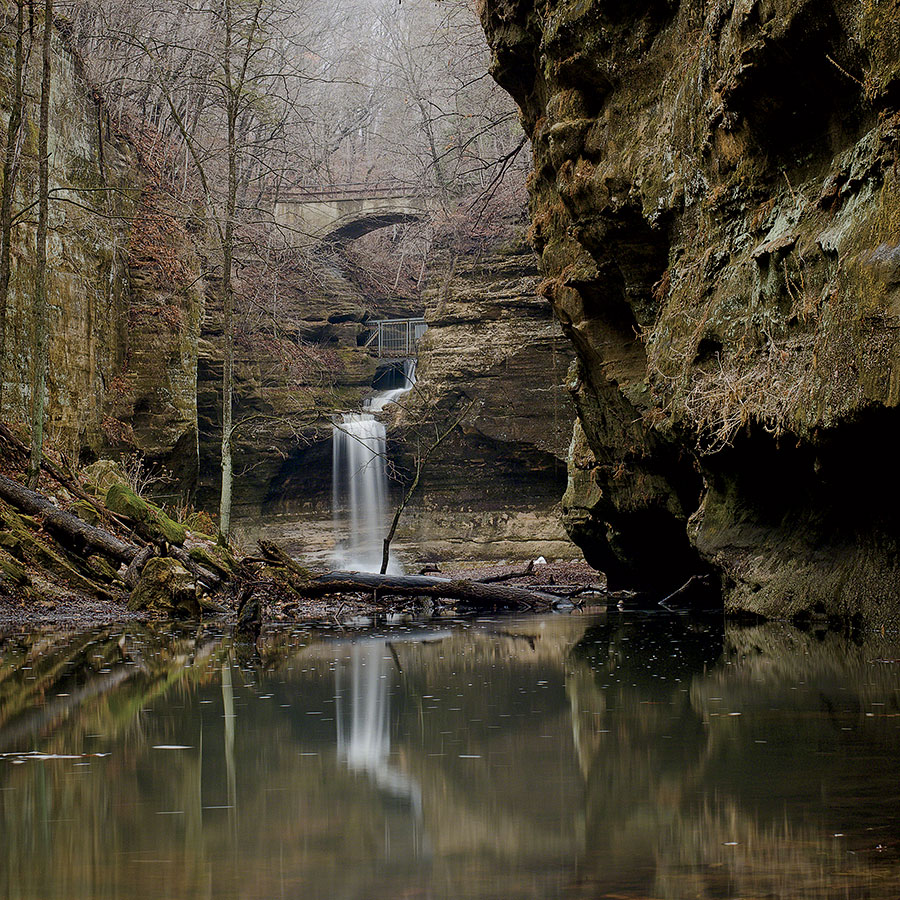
356, 191
397, 338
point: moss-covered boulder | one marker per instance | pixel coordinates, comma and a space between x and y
102, 475
165, 588
215, 557
85, 511
151, 520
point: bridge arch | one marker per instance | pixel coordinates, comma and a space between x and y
346, 212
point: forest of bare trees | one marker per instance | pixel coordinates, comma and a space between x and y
235, 102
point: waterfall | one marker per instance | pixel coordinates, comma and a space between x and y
359, 482
382, 398
359, 491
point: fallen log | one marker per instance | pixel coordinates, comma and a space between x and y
208, 580
67, 482
473, 592
133, 572
312, 584
66, 523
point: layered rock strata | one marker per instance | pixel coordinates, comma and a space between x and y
715, 203
494, 361
125, 299
295, 369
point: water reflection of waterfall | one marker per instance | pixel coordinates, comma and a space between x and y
359, 481
363, 715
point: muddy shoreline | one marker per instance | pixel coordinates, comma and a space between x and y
71, 610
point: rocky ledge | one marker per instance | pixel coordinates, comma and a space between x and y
493, 363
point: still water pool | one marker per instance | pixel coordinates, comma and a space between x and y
562, 757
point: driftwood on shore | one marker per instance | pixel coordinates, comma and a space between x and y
474, 592
310, 584
65, 523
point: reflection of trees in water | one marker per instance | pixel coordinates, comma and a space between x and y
74, 695
49, 679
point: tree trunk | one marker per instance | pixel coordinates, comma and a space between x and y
395, 521
420, 585
231, 112
10, 174
39, 359
65, 523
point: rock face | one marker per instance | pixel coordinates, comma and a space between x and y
495, 359
716, 204
124, 300
290, 381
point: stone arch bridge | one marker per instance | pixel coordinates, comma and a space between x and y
343, 212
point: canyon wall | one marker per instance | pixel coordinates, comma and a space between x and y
135, 330
715, 204
494, 361
491, 372
124, 294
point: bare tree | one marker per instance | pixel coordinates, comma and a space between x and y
14, 139
216, 79
39, 357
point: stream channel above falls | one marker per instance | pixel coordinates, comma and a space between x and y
564, 756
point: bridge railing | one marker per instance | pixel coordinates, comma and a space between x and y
356, 191
397, 338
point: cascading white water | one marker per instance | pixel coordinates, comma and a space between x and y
359, 482
382, 398
359, 489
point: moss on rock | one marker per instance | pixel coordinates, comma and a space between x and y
85, 511
716, 207
165, 588
151, 520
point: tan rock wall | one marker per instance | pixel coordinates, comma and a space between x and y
494, 358
124, 297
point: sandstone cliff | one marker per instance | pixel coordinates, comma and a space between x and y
715, 203
494, 355
125, 299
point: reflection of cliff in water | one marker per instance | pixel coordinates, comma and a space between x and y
567, 756
726, 767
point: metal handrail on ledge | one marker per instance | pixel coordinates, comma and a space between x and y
397, 338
